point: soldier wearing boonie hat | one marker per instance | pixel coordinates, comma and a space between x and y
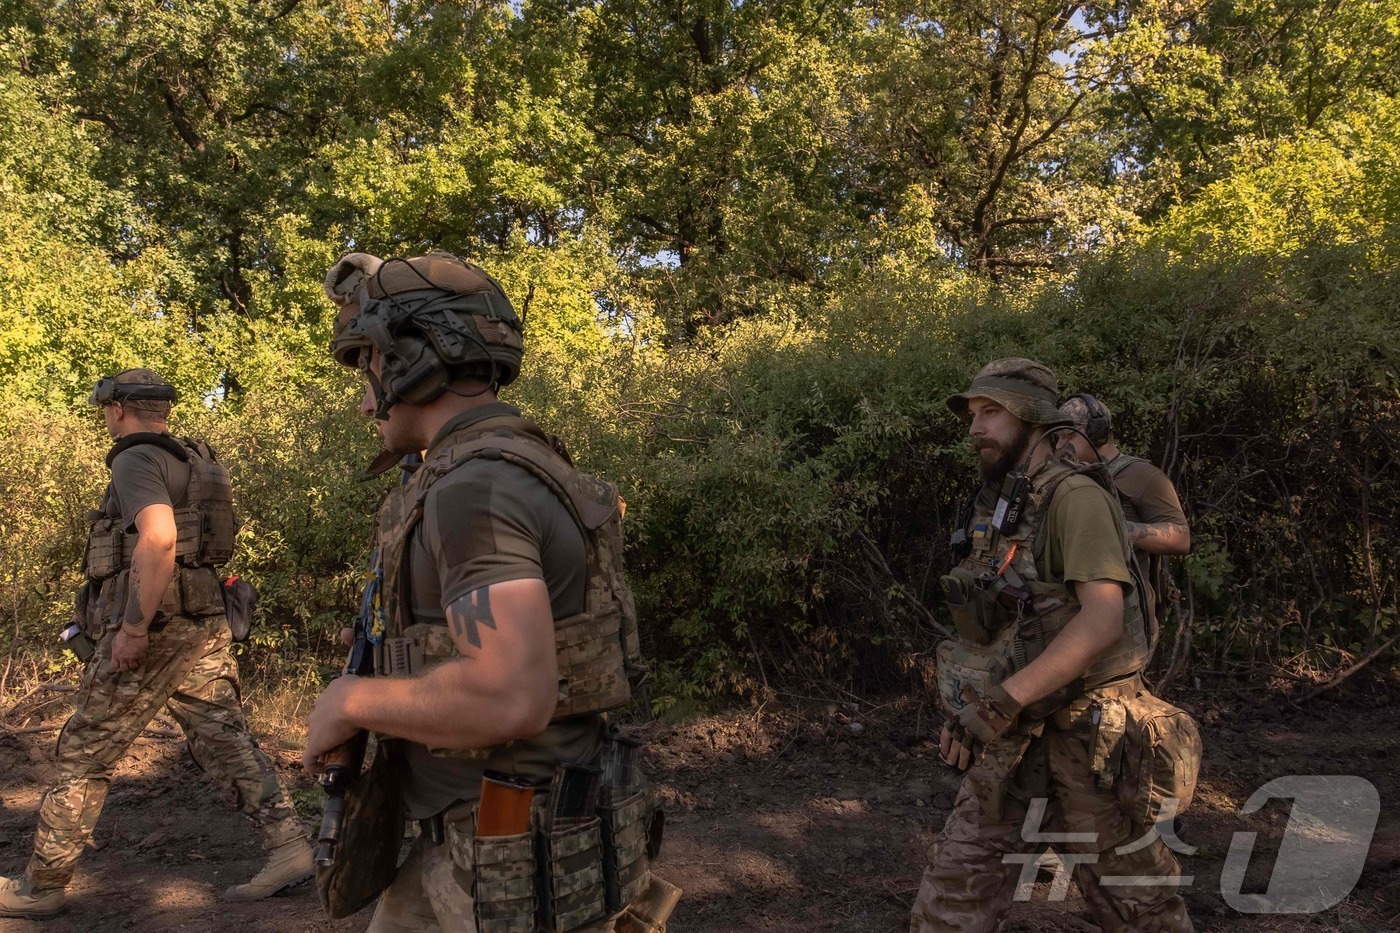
1040, 680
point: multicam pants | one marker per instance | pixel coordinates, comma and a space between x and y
190, 670
969, 883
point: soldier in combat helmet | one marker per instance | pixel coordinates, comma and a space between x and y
154, 605
1038, 683
507, 629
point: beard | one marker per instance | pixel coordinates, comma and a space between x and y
994, 470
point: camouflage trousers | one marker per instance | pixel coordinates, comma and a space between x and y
189, 670
975, 863
431, 892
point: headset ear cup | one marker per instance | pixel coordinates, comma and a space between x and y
414, 373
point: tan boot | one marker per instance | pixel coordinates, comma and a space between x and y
18, 899
289, 864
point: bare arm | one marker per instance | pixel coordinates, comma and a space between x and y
1087, 636
152, 565
1171, 538
505, 685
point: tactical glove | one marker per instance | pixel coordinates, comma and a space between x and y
983, 719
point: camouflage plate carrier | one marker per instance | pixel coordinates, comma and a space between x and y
205, 531
598, 650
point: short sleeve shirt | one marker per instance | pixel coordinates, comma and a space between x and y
142, 476
1084, 536
1148, 495
489, 522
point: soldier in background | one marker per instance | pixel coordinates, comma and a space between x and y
153, 604
1156, 523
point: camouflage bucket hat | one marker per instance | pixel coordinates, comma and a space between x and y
1024, 387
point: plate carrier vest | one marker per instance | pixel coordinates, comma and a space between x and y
204, 534
598, 651
1006, 615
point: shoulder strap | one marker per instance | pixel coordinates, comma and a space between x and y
163, 441
1120, 463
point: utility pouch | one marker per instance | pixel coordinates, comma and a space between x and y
1109, 718
1161, 760
189, 535
572, 862
104, 549
625, 865
503, 879
990, 775
968, 608
961, 665
77, 641
200, 592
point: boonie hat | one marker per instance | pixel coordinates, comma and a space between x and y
1023, 387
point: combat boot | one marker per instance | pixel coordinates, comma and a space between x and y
18, 899
289, 864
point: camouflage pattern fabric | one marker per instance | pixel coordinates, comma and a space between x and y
431, 892
191, 672
968, 886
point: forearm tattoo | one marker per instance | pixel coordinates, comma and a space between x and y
1137, 531
132, 615
465, 615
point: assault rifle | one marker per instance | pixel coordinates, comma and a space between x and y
345, 762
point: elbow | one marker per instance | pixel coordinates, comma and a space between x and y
525, 717
158, 543
1181, 545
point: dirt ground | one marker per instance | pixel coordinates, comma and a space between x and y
793, 816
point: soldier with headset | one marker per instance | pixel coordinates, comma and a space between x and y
152, 626
1156, 524
503, 632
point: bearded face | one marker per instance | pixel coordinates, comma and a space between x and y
998, 453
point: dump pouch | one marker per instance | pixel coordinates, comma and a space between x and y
240, 600
367, 857
625, 835
503, 879
1161, 760
572, 860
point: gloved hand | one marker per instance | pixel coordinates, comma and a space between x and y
980, 721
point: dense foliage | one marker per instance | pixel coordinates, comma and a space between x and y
756, 245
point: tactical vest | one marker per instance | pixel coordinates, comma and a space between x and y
204, 534
597, 649
1006, 615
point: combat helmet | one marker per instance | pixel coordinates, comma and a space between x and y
132, 385
430, 317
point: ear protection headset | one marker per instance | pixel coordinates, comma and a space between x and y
1100, 425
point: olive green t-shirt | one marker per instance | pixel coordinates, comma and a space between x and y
1084, 536
1148, 495
144, 475
488, 522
